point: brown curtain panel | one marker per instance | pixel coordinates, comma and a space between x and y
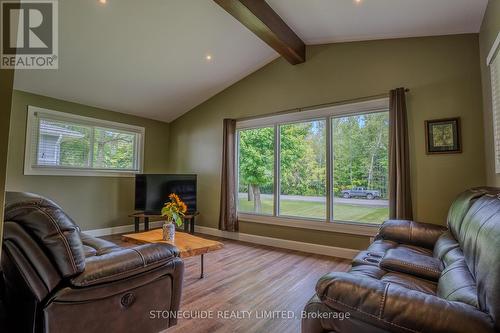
400, 204
228, 220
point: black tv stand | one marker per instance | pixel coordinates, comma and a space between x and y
188, 220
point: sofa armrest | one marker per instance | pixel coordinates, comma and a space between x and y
395, 308
413, 263
124, 262
410, 232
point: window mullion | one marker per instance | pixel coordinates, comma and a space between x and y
90, 163
134, 154
277, 166
137, 158
329, 171
35, 138
237, 168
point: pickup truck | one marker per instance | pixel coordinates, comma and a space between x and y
360, 192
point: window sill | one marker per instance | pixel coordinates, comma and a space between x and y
338, 226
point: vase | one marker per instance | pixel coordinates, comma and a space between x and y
168, 231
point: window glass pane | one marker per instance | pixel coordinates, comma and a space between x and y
256, 171
63, 144
113, 149
303, 170
360, 167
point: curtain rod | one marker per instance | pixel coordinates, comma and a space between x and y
317, 106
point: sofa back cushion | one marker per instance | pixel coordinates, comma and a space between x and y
457, 284
52, 229
460, 207
479, 239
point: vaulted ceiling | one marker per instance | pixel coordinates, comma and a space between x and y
160, 58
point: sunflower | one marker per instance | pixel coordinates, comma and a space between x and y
174, 209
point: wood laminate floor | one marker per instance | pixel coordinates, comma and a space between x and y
253, 278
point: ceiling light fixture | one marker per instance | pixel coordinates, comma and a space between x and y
208, 57
103, 2
357, 1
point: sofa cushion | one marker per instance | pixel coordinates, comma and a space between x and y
125, 262
410, 282
457, 284
94, 246
403, 280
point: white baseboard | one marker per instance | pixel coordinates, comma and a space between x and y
326, 250
120, 229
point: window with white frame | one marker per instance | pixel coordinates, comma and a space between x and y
59, 143
322, 165
493, 62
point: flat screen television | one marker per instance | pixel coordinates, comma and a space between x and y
152, 190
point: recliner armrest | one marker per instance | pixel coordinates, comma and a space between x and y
123, 263
395, 308
411, 232
413, 263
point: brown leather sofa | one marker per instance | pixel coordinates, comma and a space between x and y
58, 279
418, 277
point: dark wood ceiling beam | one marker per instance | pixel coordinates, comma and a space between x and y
263, 21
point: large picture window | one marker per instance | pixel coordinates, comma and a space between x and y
325, 165
64, 144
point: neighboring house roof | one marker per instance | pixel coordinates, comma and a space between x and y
53, 130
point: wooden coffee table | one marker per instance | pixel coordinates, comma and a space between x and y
188, 245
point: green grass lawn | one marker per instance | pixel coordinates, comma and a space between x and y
341, 212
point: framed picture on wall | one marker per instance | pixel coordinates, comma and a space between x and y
443, 136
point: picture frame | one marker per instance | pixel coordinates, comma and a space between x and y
443, 136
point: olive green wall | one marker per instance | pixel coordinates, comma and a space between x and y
93, 202
6, 82
442, 73
487, 36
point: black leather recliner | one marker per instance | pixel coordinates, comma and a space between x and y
58, 279
418, 277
